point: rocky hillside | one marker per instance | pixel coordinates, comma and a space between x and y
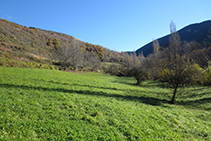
30, 43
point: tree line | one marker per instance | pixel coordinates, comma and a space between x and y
177, 65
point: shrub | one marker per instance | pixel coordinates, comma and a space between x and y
198, 71
56, 43
207, 75
49, 43
112, 69
207, 79
163, 75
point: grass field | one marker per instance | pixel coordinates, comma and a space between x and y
40, 104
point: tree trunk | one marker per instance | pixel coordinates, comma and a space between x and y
174, 94
138, 82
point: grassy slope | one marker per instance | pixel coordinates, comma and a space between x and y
43, 104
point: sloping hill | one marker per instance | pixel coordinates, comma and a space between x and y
195, 32
30, 42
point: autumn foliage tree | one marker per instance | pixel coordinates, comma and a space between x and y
49, 42
176, 64
56, 43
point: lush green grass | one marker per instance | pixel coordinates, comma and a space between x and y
53, 105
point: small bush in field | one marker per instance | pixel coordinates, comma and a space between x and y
207, 76
198, 71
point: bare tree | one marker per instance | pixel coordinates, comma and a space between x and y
156, 46
201, 56
130, 61
153, 60
126, 60
68, 56
139, 72
76, 58
137, 67
172, 27
92, 61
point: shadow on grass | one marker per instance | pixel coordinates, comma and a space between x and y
90, 86
145, 84
80, 85
196, 103
124, 82
195, 93
191, 93
142, 99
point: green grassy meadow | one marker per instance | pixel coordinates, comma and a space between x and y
38, 104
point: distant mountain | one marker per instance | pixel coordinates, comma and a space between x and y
195, 32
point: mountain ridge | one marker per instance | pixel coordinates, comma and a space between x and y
194, 32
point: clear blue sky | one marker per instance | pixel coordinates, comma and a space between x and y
120, 25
